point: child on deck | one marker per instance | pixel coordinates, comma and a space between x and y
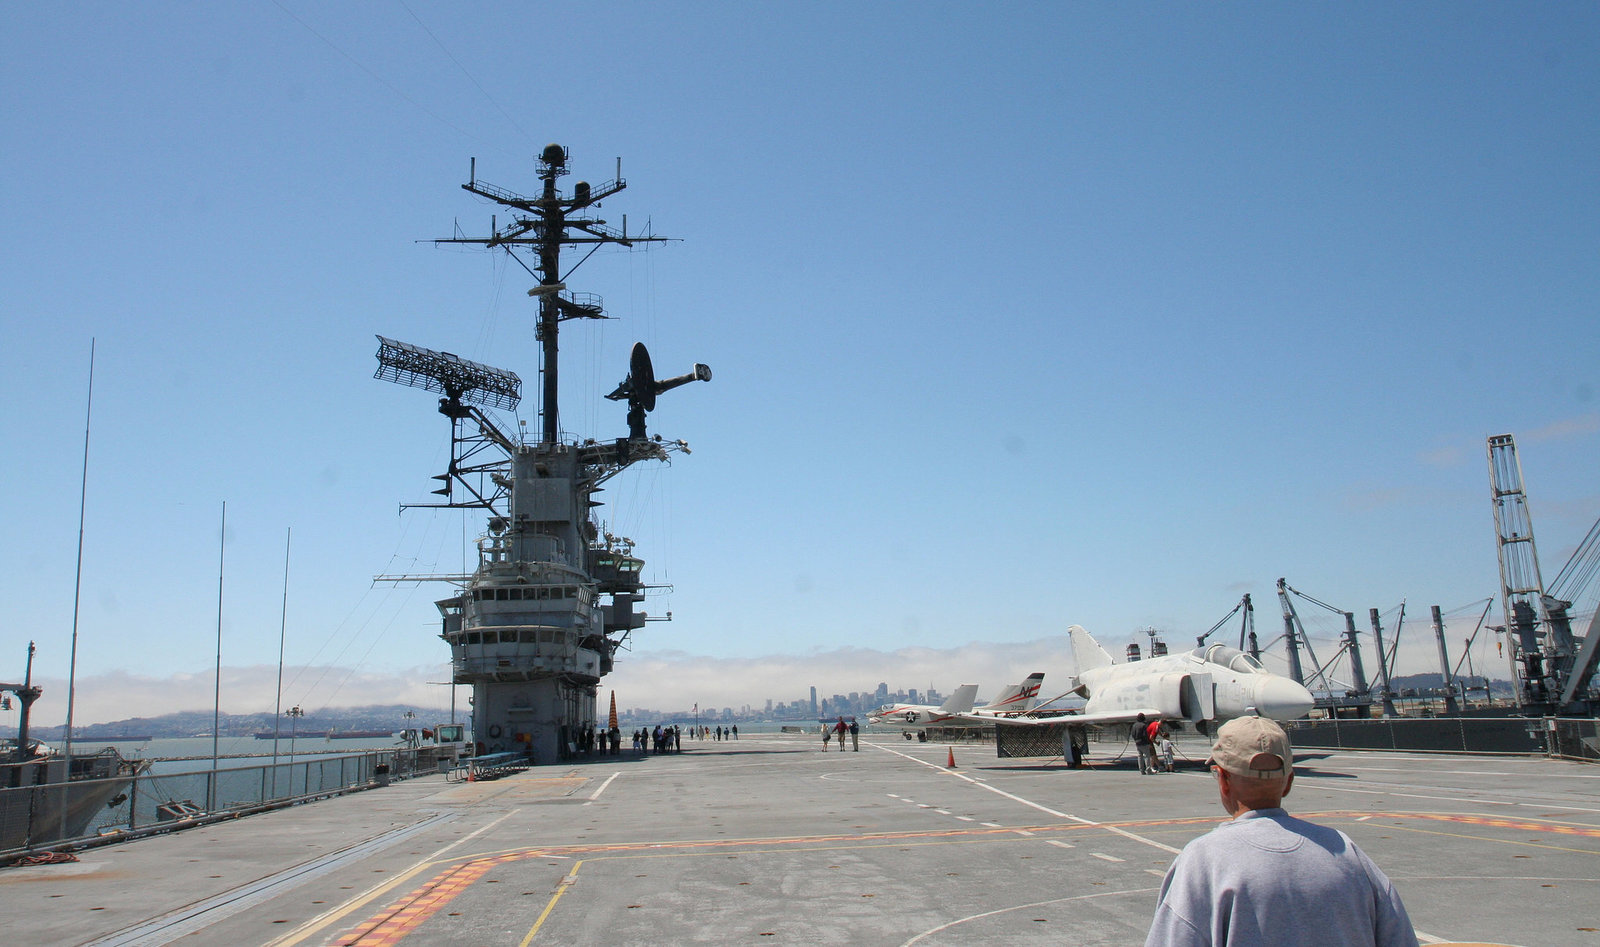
1168, 752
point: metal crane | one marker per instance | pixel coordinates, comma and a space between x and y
1295, 635
1247, 627
1551, 671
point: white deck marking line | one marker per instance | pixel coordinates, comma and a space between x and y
1022, 832
992, 825
1421, 795
1042, 808
1477, 801
1109, 858
964, 818
1059, 844
1022, 907
334, 914
1465, 772
596, 794
942, 811
1155, 871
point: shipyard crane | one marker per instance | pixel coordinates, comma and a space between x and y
1552, 674
1295, 636
1570, 584
26, 693
1247, 627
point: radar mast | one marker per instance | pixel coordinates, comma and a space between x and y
537, 624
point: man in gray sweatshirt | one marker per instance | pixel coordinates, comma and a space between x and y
1267, 878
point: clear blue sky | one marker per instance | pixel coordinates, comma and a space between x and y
1021, 315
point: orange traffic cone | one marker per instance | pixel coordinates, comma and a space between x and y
952, 762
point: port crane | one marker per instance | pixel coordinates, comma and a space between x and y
1552, 669
1295, 637
1247, 628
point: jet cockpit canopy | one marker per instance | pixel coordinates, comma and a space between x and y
1231, 658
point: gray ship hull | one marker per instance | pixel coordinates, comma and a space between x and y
33, 815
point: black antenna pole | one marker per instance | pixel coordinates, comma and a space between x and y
544, 224
553, 219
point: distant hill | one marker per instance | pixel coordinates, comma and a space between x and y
198, 723
1422, 683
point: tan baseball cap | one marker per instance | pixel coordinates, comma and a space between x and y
1252, 746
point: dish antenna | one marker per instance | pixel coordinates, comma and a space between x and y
640, 388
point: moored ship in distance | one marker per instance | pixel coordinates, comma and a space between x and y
46, 795
538, 623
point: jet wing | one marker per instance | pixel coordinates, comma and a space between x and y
1104, 718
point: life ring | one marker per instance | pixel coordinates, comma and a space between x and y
494, 731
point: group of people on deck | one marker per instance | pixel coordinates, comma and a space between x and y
841, 730
1157, 753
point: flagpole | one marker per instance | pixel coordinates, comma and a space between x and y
283, 628
216, 707
77, 591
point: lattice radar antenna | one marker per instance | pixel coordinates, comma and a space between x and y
462, 382
465, 385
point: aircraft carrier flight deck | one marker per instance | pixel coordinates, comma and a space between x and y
769, 840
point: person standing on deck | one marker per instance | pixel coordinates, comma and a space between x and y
1141, 745
1267, 878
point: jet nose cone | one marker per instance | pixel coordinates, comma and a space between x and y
1282, 699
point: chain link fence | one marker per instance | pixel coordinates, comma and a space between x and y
1574, 739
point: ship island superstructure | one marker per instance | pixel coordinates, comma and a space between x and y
538, 623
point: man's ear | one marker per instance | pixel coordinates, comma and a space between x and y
1289, 784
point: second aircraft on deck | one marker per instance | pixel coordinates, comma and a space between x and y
957, 710
1196, 688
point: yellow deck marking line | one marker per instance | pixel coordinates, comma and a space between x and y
333, 914
561, 889
1481, 838
411, 911
407, 914
1556, 828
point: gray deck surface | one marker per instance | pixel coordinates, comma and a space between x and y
770, 841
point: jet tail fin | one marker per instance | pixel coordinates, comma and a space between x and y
1086, 651
1007, 698
961, 701
1018, 697
1030, 690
